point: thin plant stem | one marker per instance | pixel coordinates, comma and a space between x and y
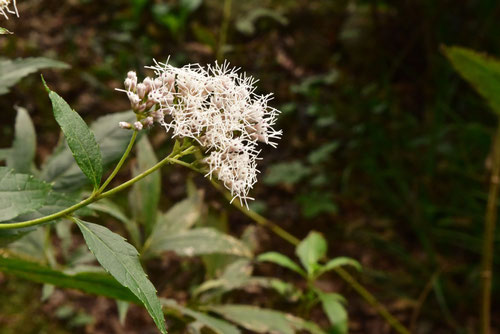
172, 158
120, 163
489, 232
223, 29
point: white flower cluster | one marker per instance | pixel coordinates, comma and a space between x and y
219, 109
5, 8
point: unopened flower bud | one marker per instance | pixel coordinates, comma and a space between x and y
138, 126
124, 125
141, 90
148, 122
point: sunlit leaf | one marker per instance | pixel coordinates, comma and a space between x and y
335, 312
338, 262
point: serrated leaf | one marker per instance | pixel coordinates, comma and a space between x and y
12, 71
311, 250
94, 283
23, 149
338, 262
106, 206
281, 260
480, 70
145, 194
263, 320
197, 242
219, 326
121, 260
20, 193
335, 311
80, 139
61, 168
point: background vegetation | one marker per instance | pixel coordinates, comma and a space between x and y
385, 149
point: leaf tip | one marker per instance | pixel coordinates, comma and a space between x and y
45, 84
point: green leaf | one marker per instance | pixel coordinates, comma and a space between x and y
311, 250
23, 149
323, 153
121, 260
20, 193
217, 325
335, 311
197, 242
4, 31
338, 262
281, 260
235, 275
31, 246
287, 172
94, 283
181, 217
4, 153
12, 71
106, 206
480, 70
80, 139
62, 170
145, 194
264, 320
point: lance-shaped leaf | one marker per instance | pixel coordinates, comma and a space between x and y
22, 153
20, 193
281, 260
121, 260
62, 171
197, 242
90, 282
80, 139
338, 262
11, 71
145, 194
4, 31
335, 311
480, 70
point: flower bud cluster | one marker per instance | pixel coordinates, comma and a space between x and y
5, 8
217, 107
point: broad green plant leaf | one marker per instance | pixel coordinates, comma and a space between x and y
94, 283
12, 71
23, 149
197, 242
80, 139
262, 320
480, 70
145, 194
335, 311
281, 260
181, 217
338, 262
311, 250
219, 326
287, 172
20, 193
121, 260
61, 168
106, 206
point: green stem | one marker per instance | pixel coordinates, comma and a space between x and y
120, 163
172, 158
489, 232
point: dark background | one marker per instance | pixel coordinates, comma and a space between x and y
385, 149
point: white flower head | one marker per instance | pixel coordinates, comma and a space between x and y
8, 7
218, 108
